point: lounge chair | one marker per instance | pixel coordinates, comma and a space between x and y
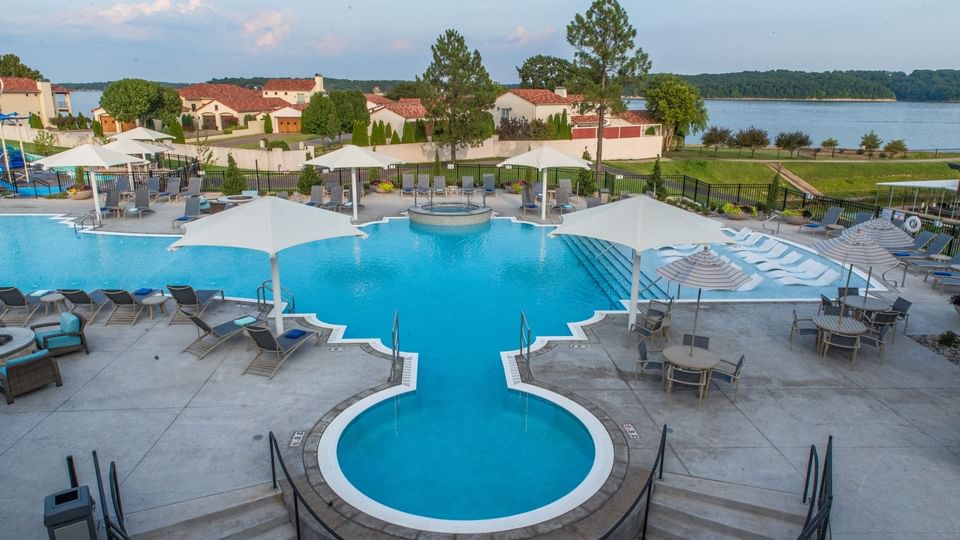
285, 195
78, 299
861, 217
63, 336
193, 186
440, 185
768, 256
563, 201
935, 247
191, 212
538, 191
930, 266
830, 219
751, 284
278, 348
751, 240
141, 203
18, 308
355, 198
172, 190
592, 202
802, 327
784, 263
740, 235
191, 301
757, 247
122, 186
336, 196
700, 342
468, 188
316, 196
423, 184
127, 307
111, 203
566, 183
528, 203
407, 188
810, 269
211, 336
840, 341
728, 372
489, 185
828, 277
153, 186
27, 373
643, 360
921, 240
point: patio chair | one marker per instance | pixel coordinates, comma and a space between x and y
563, 201
787, 263
643, 360
153, 186
761, 244
210, 337
141, 203
354, 197
122, 186
111, 203
700, 342
406, 187
78, 299
828, 306
566, 183
660, 309
728, 372
847, 291
277, 348
191, 301
191, 212
18, 308
592, 202
468, 188
285, 195
802, 327
316, 196
440, 185
901, 306
172, 190
861, 217
63, 336
840, 341
423, 184
126, 307
27, 373
877, 338
809, 269
650, 328
696, 378
528, 203
489, 185
935, 247
755, 258
932, 266
193, 186
830, 219
921, 240
336, 196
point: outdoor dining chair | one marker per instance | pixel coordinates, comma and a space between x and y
728, 372
700, 342
840, 341
650, 328
902, 306
643, 360
696, 378
802, 327
876, 338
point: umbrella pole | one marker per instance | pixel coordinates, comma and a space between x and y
96, 196
696, 318
353, 194
543, 205
634, 291
277, 293
866, 289
843, 303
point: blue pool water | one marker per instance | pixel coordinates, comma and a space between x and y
462, 446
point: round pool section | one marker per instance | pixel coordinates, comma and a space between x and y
449, 214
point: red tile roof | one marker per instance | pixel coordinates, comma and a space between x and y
632, 117
378, 99
19, 85
539, 96
57, 89
236, 97
295, 85
408, 108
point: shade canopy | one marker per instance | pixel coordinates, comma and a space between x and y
87, 155
143, 134
704, 270
856, 248
545, 157
883, 232
352, 156
923, 184
135, 147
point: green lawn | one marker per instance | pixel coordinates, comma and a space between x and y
31, 148
700, 152
860, 179
713, 171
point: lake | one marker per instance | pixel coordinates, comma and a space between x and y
921, 125
85, 102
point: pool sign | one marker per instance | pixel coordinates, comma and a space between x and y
297, 439
631, 431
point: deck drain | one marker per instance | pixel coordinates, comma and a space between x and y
297, 439
631, 431
579, 346
335, 349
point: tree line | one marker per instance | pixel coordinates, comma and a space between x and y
754, 138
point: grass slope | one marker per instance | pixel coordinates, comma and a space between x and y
860, 179
713, 171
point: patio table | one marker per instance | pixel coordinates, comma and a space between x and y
679, 355
872, 304
833, 323
22, 339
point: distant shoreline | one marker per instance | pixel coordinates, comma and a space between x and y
811, 100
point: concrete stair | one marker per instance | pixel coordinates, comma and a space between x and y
688, 507
251, 513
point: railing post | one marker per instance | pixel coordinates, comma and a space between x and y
296, 514
273, 465
739, 187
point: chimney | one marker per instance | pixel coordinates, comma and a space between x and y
560, 91
318, 82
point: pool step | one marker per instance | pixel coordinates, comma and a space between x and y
690, 507
613, 265
255, 512
606, 285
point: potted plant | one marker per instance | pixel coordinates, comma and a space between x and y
795, 216
80, 189
955, 300
732, 211
385, 186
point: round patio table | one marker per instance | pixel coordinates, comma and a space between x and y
237, 199
22, 339
679, 355
833, 323
872, 304
54, 300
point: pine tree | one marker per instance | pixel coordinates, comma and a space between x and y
267, 124
176, 130
308, 179
97, 129
408, 133
420, 131
233, 180
389, 131
395, 139
655, 183
437, 165
566, 132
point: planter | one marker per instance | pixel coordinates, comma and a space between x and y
738, 217
796, 220
83, 194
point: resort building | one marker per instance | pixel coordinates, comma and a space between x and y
397, 113
294, 91
27, 96
534, 104
287, 119
616, 126
108, 123
376, 100
221, 106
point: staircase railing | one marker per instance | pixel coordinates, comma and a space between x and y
817, 524
87, 220
525, 337
395, 345
656, 473
298, 500
285, 296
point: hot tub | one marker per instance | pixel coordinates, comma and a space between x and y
449, 214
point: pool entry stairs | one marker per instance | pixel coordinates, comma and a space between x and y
686, 507
610, 265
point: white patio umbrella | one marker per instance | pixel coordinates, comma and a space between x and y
135, 147
270, 224
703, 270
90, 156
542, 159
641, 223
857, 249
143, 134
353, 157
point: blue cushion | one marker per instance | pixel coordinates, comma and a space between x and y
142, 291
183, 218
944, 274
294, 334
901, 253
812, 225
69, 323
58, 341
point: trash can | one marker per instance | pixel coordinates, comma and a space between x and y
68, 515
604, 195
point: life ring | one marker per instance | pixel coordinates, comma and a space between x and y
912, 224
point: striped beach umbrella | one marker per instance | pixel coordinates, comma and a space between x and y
856, 249
883, 232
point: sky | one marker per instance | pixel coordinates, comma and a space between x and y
195, 40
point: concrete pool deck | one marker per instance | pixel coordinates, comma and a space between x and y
180, 429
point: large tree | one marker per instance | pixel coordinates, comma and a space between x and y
320, 117
405, 89
543, 71
753, 138
606, 59
136, 99
716, 137
350, 106
11, 66
458, 94
677, 105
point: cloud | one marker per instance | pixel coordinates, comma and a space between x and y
121, 12
401, 44
269, 26
332, 45
522, 36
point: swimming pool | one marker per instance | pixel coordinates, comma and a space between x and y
463, 447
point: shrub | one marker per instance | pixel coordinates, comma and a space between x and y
409, 133
388, 131
420, 131
386, 186
360, 133
267, 124
44, 142
35, 121
97, 129
278, 144
793, 212
949, 339
731, 209
437, 165
79, 178
233, 180
308, 179
176, 131
586, 179
773, 192
395, 139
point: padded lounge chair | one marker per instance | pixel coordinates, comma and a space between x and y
921, 240
316, 196
78, 299
407, 187
191, 301
930, 266
861, 217
191, 212
172, 191
830, 219
141, 203
193, 186
935, 247
528, 202
440, 185
827, 278
27, 373
18, 308
127, 307
563, 201
122, 186
423, 184
489, 185
212, 336
786, 263
277, 349
336, 197
566, 183
810, 269
153, 186
111, 203
62, 336
468, 188
753, 258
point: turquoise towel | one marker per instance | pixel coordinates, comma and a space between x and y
245, 321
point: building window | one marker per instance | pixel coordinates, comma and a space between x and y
285, 93
301, 98
216, 107
193, 107
505, 113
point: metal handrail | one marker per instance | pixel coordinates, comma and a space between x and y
80, 223
655, 471
817, 524
812, 477
395, 345
276, 456
525, 337
285, 295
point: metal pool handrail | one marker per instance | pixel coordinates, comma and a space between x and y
395, 345
656, 472
298, 500
525, 337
